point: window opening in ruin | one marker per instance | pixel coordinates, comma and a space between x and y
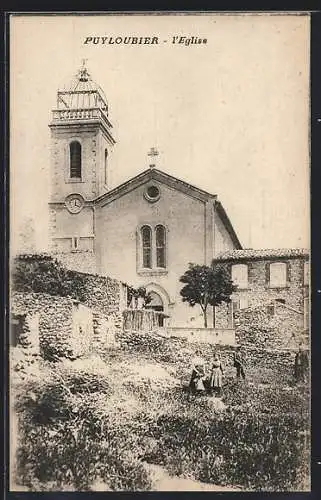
240, 275
270, 310
278, 275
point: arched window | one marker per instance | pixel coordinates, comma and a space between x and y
106, 167
152, 248
240, 275
75, 160
146, 233
160, 246
278, 274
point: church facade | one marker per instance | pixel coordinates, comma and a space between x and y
144, 232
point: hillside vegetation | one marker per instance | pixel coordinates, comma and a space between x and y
105, 423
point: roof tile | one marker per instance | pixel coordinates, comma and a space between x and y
268, 253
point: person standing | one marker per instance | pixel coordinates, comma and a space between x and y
238, 363
216, 378
198, 376
301, 365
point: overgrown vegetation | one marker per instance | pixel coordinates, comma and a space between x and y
69, 438
98, 421
136, 293
256, 451
41, 273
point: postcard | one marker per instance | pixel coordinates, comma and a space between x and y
159, 252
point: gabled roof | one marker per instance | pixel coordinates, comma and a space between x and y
157, 175
174, 183
268, 253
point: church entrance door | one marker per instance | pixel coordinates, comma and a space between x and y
156, 304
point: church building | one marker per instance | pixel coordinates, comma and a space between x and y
147, 230
143, 232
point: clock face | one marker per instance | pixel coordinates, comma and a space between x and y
74, 203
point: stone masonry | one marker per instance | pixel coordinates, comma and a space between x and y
55, 320
68, 327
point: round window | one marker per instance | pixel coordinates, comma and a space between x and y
152, 193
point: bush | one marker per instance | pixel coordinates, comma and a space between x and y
54, 349
87, 422
257, 443
78, 451
43, 274
68, 441
260, 452
271, 399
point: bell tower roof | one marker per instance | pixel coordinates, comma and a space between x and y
82, 93
82, 102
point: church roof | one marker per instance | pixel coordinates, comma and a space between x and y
268, 253
175, 183
157, 175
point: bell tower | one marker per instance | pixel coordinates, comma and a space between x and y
81, 146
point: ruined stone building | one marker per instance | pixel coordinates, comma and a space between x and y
272, 293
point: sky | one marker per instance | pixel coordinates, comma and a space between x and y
230, 116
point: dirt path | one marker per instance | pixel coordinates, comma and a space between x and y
162, 481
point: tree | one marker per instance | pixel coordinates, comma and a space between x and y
206, 286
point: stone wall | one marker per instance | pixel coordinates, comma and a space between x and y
271, 326
25, 351
83, 261
276, 359
67, 328
204, 335
104, 332
55, 320
105, 295
223, 316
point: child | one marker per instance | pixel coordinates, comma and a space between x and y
216, 379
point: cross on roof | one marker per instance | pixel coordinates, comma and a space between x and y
152, 153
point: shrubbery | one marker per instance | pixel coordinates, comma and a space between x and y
69, 441
88, 421
255, 451
43, 274
79, 451
259, 442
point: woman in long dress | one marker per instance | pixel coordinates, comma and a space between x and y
216, 379
196, 384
